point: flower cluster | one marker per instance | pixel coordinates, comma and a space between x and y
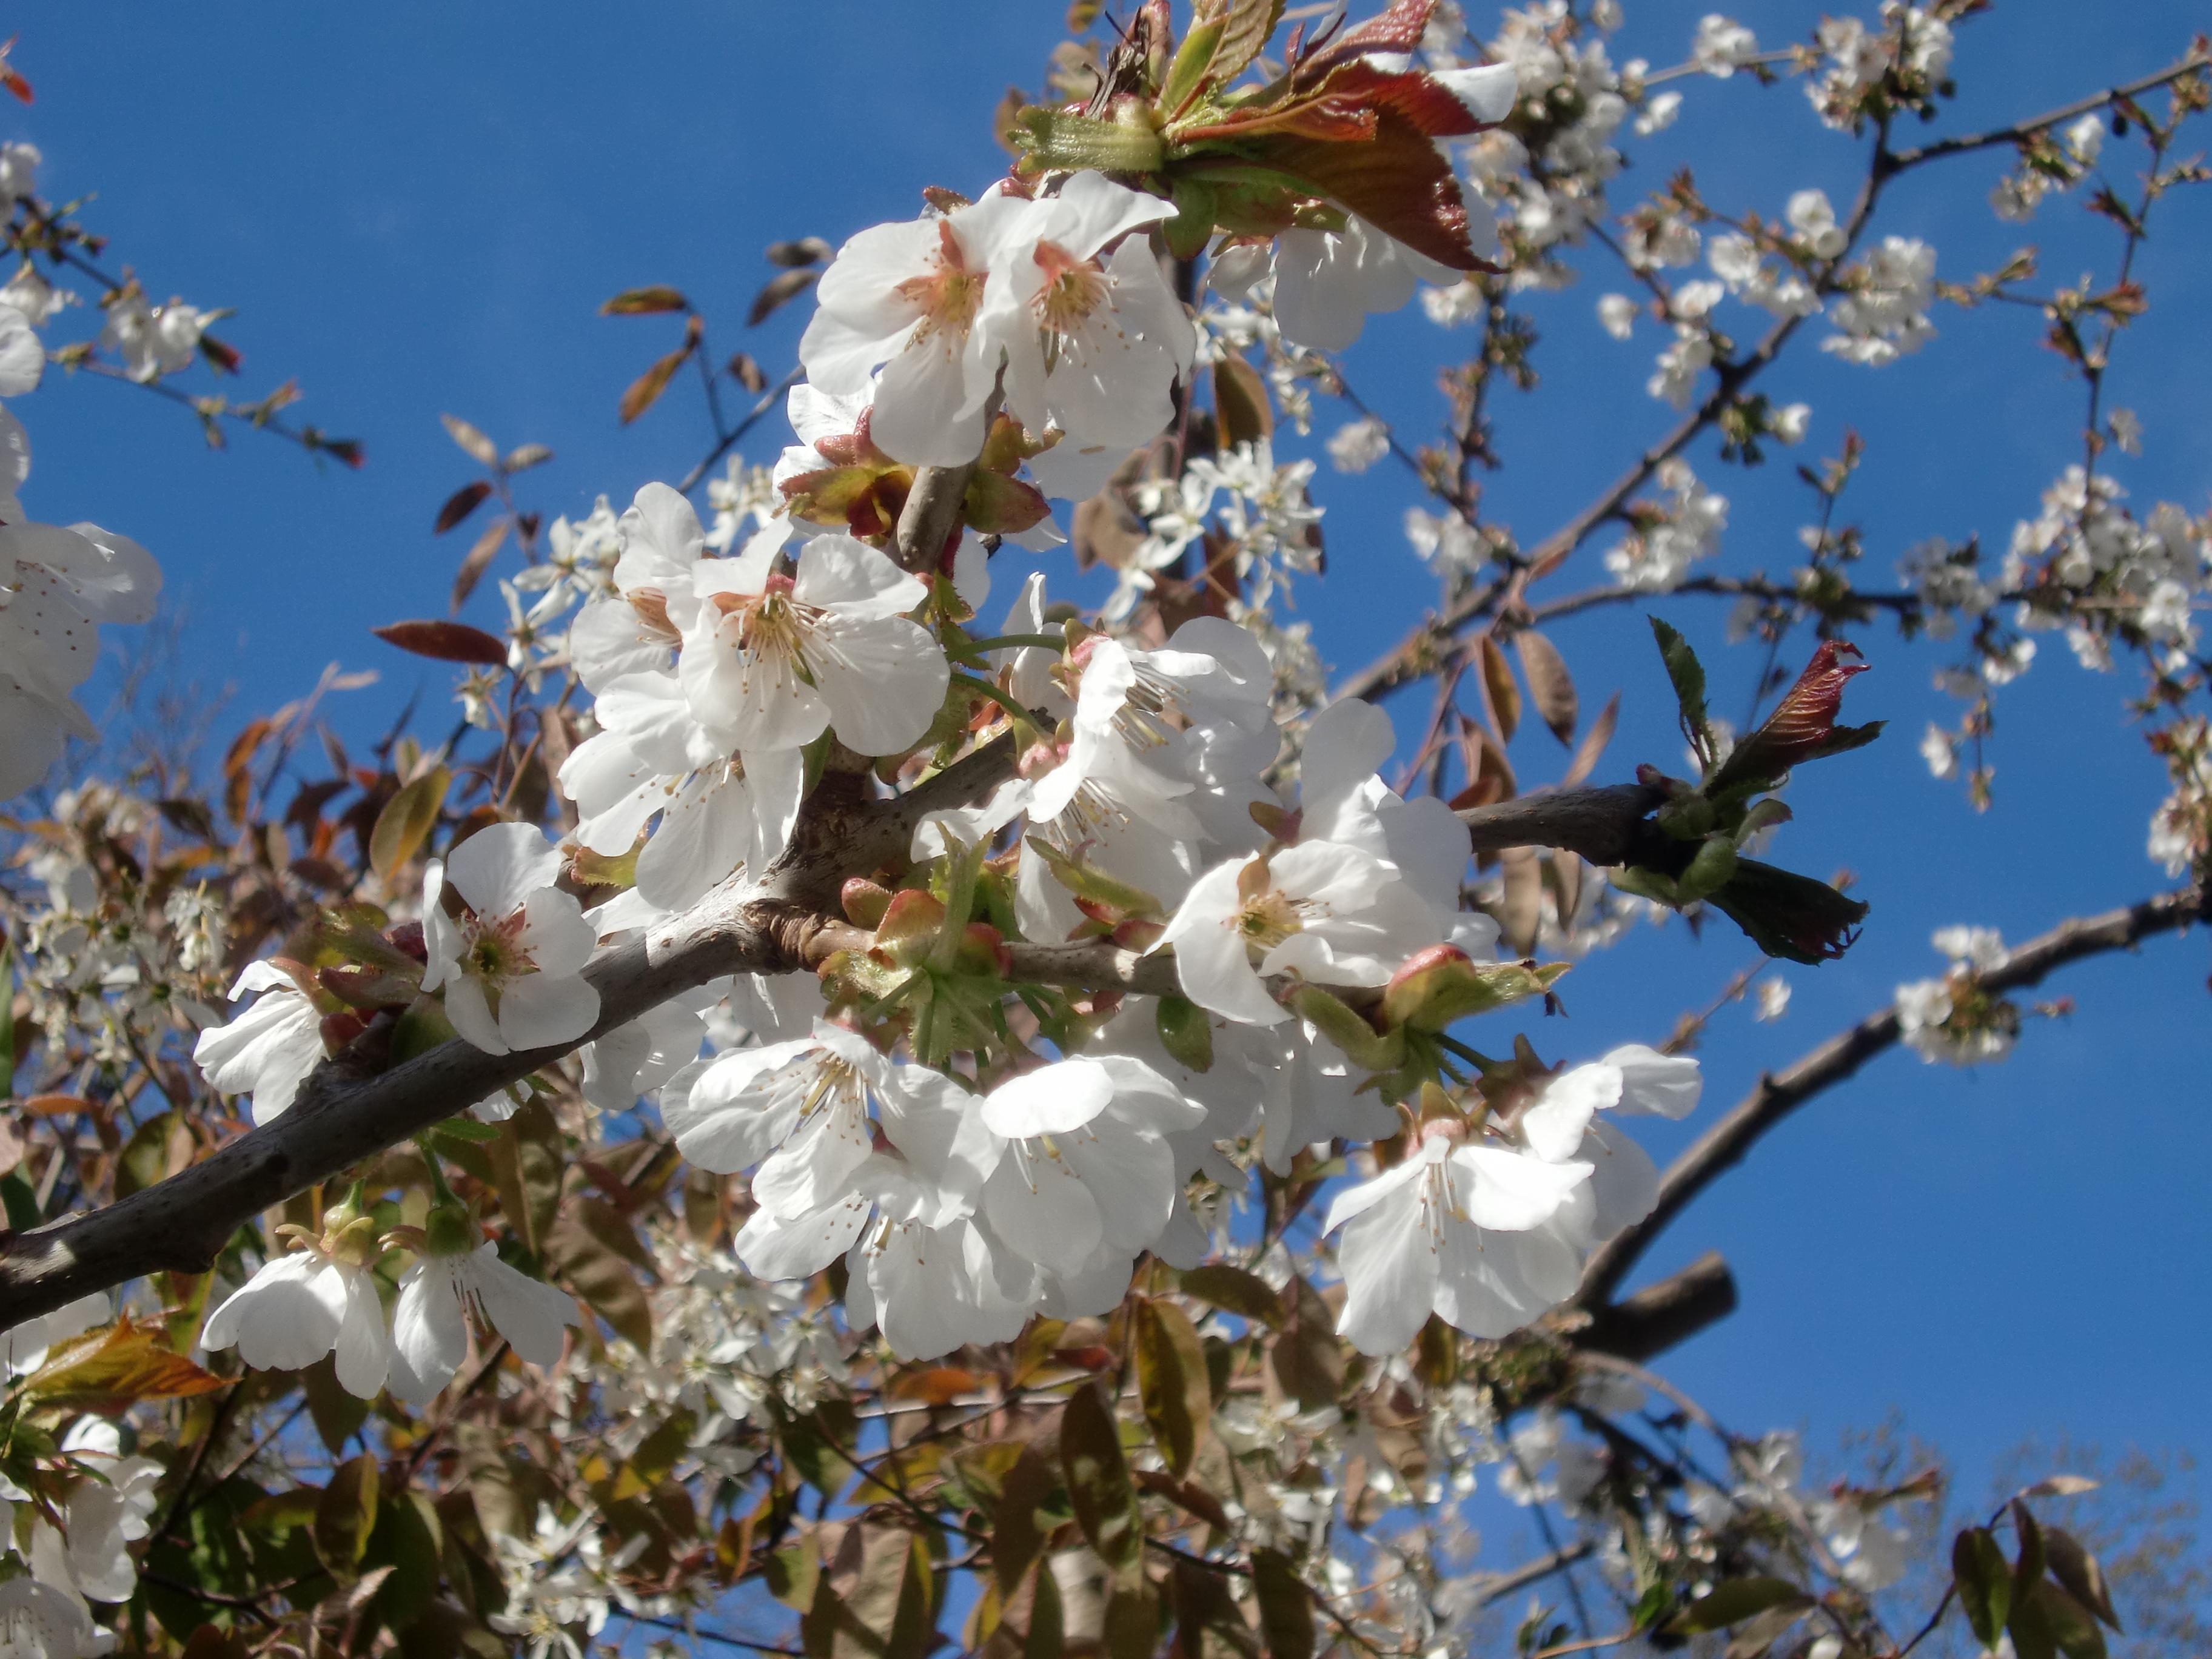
1954, 1019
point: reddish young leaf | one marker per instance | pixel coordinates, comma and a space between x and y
458, 505
448, 641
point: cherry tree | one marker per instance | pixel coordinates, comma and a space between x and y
842, 1100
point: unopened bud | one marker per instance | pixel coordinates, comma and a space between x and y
865, 903
1348, 1029
910, 924
1442, 984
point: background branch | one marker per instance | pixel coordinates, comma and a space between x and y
1780, 1093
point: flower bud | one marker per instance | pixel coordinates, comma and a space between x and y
1443, 983
909, 926
449, 1230
1348, 1029
865, 903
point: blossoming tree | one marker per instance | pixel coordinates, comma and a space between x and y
847, 1105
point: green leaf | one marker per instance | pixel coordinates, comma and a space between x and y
408, 1539
1193, 59
1186, 1032
1735, 1600
21, 1201
1287, 1616
1983, 1579
1306, 1356
2071, 1626
347, 1514
2074, 1567
1171, 1382
1234, 1290
1098, 1486
406, 821
1688, 676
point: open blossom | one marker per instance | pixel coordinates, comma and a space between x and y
300, 1307
154, 340
1884, 315
267, 1051
511, 960
1329, 282
913, 299
771, 662
1449, 1231
1721, 43
1096, 338
1561, 1126
57, 585
1320, 910
1357, 445
1082, 1163
429, 1325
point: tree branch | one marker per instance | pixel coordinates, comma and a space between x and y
1780, 1093
766, 924
1607, 826
1663, 1315
2188, 65
931, 514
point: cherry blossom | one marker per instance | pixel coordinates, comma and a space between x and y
1447, 1231
300, 1307
429, 1324
1095, 336
1320, 910
266, 1052
509, 951
914, 299
771, 662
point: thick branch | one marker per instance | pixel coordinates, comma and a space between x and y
1662, 1316
764, 925
1606, 826
1780, 1093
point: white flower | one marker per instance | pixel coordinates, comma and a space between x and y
56, 585
1813, 218
1721, 43
1448, 1232
914, 298
1095, 339
1679, 366
1561, 1125
1617, 314
429, 1326
1789, 423
267, 1051
1329, 282
40, 1620
19, 171
1773, 997
511, 962
1320, 910
154, 340
1083, 1164
1658, 113
1870, 1551
30, 292
1939, 752
2126, 430
1883, 316
771, 662
1357, 445
297, 1309
1657, 558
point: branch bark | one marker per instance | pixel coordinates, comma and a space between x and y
1780, 1093
766, 924
1608, 825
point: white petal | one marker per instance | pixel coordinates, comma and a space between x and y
532, 1315
1041, 1211
1052, 1100
541, 1011
1662, 1085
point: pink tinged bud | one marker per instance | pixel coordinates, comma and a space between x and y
407, 939
1443, 984
1136, 934
983, 950
865, 903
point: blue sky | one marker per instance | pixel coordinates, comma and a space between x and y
415, 208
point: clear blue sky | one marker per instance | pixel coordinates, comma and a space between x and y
416, 208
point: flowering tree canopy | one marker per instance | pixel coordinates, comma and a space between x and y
843, 1105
